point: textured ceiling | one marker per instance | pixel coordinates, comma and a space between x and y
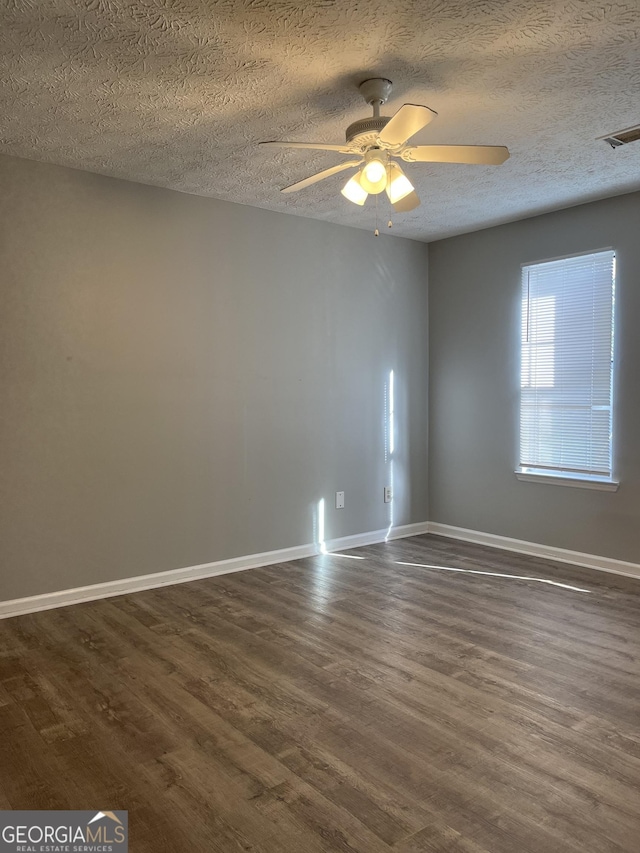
179, 92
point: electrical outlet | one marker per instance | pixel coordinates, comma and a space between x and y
388, 494
339, 500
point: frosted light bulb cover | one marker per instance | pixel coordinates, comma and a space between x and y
399, 185
373, 171
353, 191
377, 186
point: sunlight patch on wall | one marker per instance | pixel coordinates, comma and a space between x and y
321, 543
390, 443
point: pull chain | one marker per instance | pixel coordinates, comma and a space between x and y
376, 232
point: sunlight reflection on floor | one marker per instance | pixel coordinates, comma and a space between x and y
348, 556
495, 575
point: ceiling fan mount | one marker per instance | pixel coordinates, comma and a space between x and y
376, 90
376, 140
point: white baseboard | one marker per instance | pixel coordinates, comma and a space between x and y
66, 597
550, 552
94, 592
404, 530
375, 536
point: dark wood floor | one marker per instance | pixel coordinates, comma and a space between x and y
336, 704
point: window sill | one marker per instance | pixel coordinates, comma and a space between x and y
576, 481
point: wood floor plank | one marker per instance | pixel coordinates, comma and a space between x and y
332, 704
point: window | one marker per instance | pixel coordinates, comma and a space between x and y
566, 370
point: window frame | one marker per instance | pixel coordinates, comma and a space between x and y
550, 476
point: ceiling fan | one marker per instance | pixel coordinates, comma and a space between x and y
375, 141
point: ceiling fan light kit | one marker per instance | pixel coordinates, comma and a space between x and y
374, 173
398, 185
353, 191
378, 139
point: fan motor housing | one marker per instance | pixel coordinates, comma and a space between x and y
367, 128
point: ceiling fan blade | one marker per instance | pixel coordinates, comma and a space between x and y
318, 146
409, 202
480, 155
408, 120
320, 176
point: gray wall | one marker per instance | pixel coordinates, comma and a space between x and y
183, 379
474, 293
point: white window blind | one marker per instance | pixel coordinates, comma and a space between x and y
566, 366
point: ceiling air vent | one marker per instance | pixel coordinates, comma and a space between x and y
623, 137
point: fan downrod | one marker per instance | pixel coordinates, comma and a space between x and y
376, 92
